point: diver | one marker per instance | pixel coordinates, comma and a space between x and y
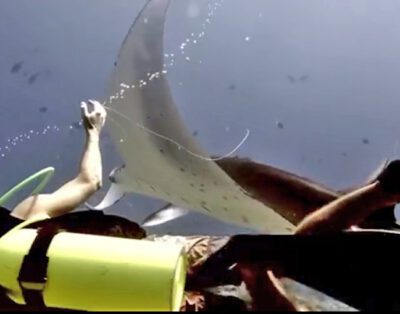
76, 191
320, 254
329, 252
321, 227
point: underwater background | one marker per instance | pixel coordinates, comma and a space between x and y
317, 83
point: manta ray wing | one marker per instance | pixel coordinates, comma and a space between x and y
163, 159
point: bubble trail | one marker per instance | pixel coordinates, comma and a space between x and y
12, 143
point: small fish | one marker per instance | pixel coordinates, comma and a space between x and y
280, 125
303, 78
232, 87
16, 67
365, 141
43, 109
32, 79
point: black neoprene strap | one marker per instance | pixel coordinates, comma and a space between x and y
34, 267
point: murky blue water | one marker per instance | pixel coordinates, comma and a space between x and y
316, 82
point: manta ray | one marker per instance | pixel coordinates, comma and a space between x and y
162, 159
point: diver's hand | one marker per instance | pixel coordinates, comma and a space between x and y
265, 289
93, 121
389, 180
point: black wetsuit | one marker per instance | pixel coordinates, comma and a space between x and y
357, 268
7, 222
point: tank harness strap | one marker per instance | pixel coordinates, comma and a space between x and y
33, 273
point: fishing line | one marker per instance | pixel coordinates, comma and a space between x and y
180, 146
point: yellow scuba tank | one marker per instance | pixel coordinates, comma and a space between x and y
90, 272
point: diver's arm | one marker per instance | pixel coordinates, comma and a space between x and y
83, 186
346, 211
354, 207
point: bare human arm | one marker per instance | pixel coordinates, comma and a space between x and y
84, 185
352, 208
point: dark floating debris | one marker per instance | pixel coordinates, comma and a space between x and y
43, 109
115, 63
195, 133
16, 67
32, 79
280, 125
365, 141
344, 154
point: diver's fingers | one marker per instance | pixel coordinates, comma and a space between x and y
84, 109
98, 108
